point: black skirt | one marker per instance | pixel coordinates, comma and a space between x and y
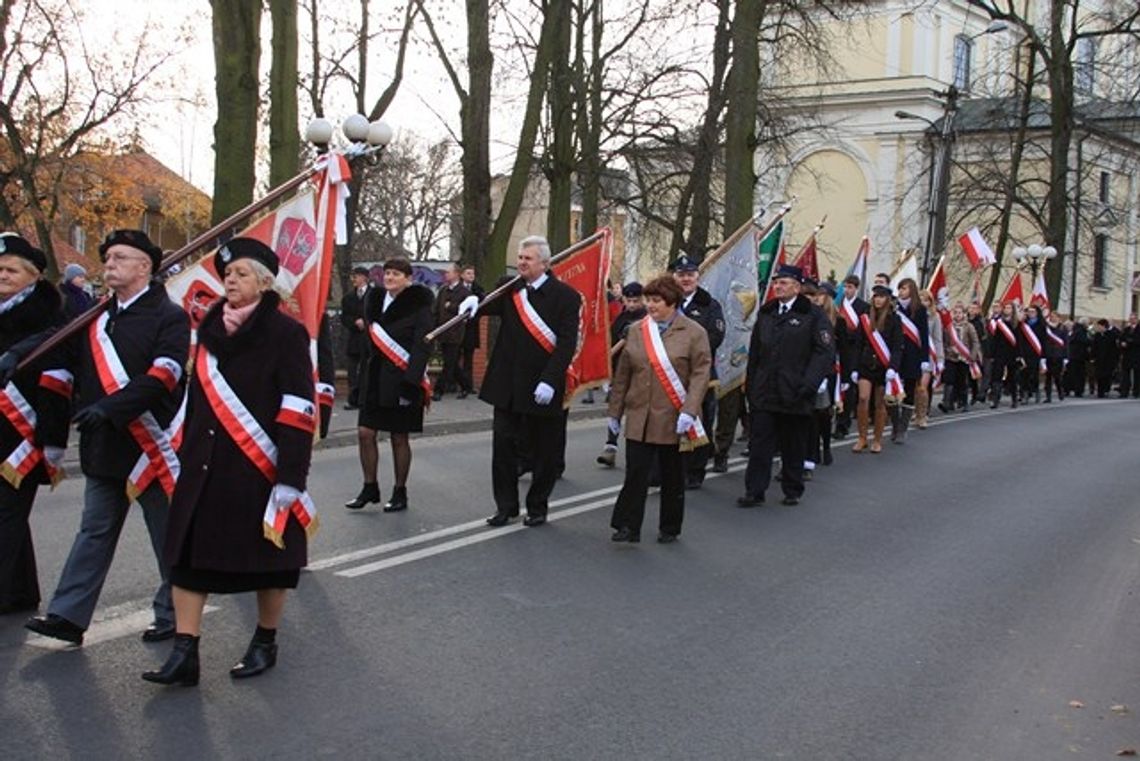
409, 419
230, 582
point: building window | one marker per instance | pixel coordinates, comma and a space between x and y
1084, 68
78, 239
963, 53
1100, 262
1105, 183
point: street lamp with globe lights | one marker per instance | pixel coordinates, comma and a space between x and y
1036, 254
356, 129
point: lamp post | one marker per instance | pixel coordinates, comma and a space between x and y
358, 131
1037, 255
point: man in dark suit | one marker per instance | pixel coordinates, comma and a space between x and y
352, 318
451, 294
470, 336
128, 377
526, 380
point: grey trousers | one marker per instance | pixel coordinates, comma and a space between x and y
105, 507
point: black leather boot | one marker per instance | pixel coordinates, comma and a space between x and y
399, 500
182, 665
369, 494
259, 657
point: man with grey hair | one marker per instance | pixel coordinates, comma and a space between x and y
526, 380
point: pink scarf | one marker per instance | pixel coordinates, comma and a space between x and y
233, 317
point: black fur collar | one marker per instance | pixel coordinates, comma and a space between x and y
411, 299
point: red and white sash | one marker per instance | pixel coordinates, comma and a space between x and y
157, 448
1054, 339
964, 353
667, 376
1031, 337
533, 322
256, 444
909, 329
396, 354
24, 458
1006, 333
847, 309
326, 394
883, 352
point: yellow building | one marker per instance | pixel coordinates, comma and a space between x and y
869, 168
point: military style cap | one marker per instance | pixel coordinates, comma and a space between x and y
684, 263
12, 244
136, 239
244, 248
631, 290
789, 271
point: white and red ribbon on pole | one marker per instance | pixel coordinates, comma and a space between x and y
667, 376
256, 445
333, 176
533, 321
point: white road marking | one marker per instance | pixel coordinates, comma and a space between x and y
125, 620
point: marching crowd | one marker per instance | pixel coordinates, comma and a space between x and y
214, 438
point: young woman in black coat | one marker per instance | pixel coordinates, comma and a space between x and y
240, 516
915, 358
28, 305
1009, 349
392, 386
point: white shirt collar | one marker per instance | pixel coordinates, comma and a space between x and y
685, 303
388, 299
121, 306
786, 305
538, 281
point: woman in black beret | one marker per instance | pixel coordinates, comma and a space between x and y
240, 516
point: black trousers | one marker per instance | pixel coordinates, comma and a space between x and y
769, 430
1130, 378
467, 368
955, 383
729, 409
1055, 368
629, 510
449, 373
1075, 375
694, 462
1005, 375
19, 584
546, 438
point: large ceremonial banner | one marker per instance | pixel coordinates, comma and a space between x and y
730, 275
586, 271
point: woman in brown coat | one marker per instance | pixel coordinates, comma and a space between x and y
240, 516
661, 400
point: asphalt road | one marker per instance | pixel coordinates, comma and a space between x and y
946, 600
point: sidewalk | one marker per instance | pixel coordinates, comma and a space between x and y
447, 416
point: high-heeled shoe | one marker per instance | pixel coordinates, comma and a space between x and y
182, 665
369, 494
399, 500
259, 657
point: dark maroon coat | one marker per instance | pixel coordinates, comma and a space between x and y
218, 505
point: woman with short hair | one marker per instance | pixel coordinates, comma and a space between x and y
662, 375
963, 361
240, 517
393, 386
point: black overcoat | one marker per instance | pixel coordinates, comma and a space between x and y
519, 363
910, 365
789, 356
41, 309
151, 327
867, 362
407, 320
351, 309
221, 496
446, 307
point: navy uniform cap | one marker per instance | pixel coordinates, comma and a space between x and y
684, 263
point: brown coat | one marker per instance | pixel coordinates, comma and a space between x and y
636, 391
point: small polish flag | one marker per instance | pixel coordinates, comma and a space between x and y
977, 250
1040, 297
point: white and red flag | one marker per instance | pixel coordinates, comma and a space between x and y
940, 289
1040, 297
977, 250
1014, 294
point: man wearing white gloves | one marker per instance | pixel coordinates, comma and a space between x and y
526, 380
792, 351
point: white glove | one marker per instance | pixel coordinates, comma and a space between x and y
543, 393
855, 376
822, 387
284, 496
54, 455
685, 422
405, 402
891, 374
844, 387
1064, 363
1044, 366
925, 367
614, 424
469, 306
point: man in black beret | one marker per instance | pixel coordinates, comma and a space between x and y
356, 336
128, 381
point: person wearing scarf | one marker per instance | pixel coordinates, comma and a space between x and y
237, 522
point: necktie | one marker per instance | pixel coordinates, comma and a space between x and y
783, 309
531, 290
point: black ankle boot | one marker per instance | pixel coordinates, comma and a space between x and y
182, 665
369, 494
399, 500
260, 656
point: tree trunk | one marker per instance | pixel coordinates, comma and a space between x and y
590, 118
284, 137
475, 132
560, 161
1060, 72
740, 118
237, 53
